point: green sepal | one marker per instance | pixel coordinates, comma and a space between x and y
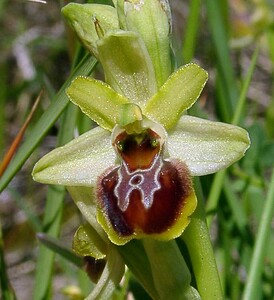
90, 21
178, 94
152, 21
127, 66
87, 242
78, 163
206, 146
130, 113
97, 100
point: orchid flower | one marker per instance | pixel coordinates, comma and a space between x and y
140, 160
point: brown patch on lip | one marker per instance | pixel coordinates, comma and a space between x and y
108, 202
168, 202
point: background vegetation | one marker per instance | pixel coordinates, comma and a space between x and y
234, 41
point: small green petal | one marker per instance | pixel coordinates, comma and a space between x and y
127, 66
205, 146
82, 18
151, 19
178, 94
79, 162
87, 242
97, 100
130, 113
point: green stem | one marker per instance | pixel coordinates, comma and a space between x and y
257, 261
135, 257
169, 270
197, 239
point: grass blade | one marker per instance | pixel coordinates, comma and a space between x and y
57, 247
191, 31
226, 78
219, 178
53, 215
257, 261
16, 142
57, 106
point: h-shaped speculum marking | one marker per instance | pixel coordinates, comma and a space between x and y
144, 180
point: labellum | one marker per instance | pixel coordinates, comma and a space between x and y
146, 194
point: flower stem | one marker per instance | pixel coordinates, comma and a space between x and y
197, 239
169, 270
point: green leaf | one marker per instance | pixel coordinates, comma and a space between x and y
151, 19
78, 163
90, 21
127, 66
179, 93
97, 100
206, 146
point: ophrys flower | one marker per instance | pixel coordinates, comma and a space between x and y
140, 161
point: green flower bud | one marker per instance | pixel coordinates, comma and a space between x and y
91, 22
151, 19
